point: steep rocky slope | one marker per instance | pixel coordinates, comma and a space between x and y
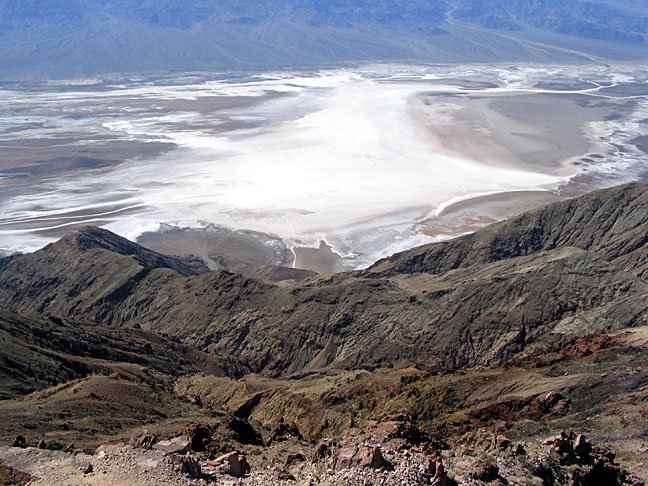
37, 352
545, 277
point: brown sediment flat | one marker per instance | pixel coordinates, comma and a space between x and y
220, 247
51, 158
526, 131
471, 214
240, 250
322, 260
583, 183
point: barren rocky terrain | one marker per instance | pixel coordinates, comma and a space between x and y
514, 355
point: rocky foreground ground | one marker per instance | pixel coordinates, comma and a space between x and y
394, 452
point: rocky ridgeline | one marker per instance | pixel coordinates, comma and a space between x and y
479, 300
391, 452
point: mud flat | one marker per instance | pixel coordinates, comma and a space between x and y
220, 247
469, 215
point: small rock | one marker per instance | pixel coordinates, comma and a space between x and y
294, 459
42, 444
178, 445
234, 464
20, 441
143, 440
191, 467
484, 471
86, 468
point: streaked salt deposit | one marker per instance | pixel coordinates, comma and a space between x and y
341, 157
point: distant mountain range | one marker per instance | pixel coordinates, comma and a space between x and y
63, 38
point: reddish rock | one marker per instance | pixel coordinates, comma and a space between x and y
234, 464
361, 457
399, 427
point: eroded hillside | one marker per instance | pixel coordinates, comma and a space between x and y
453, 363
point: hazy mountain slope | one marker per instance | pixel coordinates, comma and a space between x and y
594, 20
83, 37
538, 280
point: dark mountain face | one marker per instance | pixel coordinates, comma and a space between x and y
515, 288
81, 37
38, 352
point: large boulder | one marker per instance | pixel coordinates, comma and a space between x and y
143, 440
200, 436
362, 456
19, 441
178, 445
